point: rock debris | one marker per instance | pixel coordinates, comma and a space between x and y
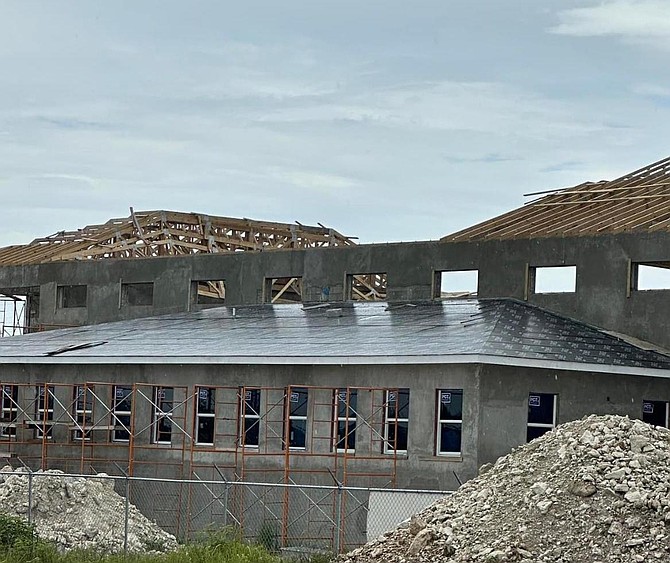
595, 490
79, 513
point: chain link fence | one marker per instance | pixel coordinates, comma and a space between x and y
286, 517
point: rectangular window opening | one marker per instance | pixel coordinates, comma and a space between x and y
205, 415
345, 420
44, 412
250, 424
396, 423
82, 413
449, 421
650, 276
209, 292
367, 287
121, 412
297, 418
283, 290
71, 296
456, 284
10, 411
541, 414
655, 412
553, 279
137, 294
162, 419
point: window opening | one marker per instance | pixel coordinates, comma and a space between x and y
210, 292
10, 410
283, 290
71, 296
205, 415
367, 287
162, 422
553, 279
449, 421
456, 284
297, 418
655, 412
44, 412
121, 412
251, 418
83, 412
137, 294
650, 276
345, 420
541, 414
397, 421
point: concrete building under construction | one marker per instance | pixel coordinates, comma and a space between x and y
192, 345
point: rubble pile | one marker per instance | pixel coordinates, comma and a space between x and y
79, 513
595, 490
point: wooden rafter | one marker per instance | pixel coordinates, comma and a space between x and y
368, 287
148, 234
636, 202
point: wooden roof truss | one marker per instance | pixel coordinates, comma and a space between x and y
148, 234
636, 202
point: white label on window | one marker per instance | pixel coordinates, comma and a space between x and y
342, 396
446, 398
391, 397
247, 395
120, 392
648, 408
204, 393
295, 397
534, 400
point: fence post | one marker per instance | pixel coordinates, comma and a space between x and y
225, 503
340, 518
30, 496
126, 510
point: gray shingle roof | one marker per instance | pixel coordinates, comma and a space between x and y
485, 330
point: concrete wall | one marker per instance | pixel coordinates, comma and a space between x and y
601, 297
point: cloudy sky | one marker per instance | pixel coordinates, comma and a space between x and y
387, 120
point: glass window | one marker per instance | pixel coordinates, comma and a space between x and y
297, 418
541, 414
44, 411
10, 410
655, 412
449, 421
121, 412
345, 420
397, 421
251, 417
83, 412
162, 422
205, 415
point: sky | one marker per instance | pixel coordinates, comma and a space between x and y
386, 120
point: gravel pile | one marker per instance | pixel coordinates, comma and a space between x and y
595, 490
79, 513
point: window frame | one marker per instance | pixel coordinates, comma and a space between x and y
345, 396
293, 419
62, 300
549, 427
448, 421
395, 421
82, 415
666, 404
118, 427
209, 417
9, 410
160, 435
44, 412
249, 416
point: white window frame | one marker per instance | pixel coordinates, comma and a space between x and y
44, 411
82, 393
117, 425
211, 392
159, 413
667, 410
296, 417
345, 396
548, 426
247, 420
445, 421
395, 420
9, 410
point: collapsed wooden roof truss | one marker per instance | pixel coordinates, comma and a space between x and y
636, 202
166, 233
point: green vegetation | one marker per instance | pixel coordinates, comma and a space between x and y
19, 544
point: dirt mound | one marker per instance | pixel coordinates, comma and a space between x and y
78, 512
593, 490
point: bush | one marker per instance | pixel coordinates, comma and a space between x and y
15, 531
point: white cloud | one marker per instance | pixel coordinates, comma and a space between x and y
641, 21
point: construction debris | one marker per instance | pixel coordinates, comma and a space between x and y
79, 512
595, 490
